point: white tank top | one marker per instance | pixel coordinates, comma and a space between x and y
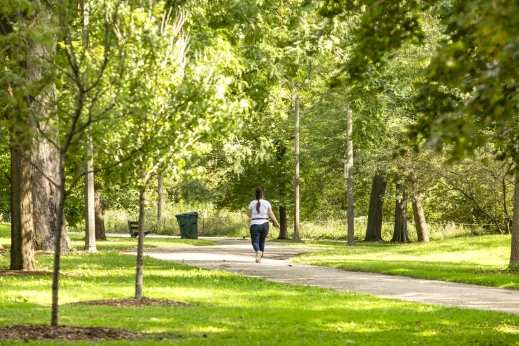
261, 217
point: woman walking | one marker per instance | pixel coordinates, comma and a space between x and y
259, 212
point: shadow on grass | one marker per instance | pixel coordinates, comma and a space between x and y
233, 309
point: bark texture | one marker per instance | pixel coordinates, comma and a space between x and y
283, 232
419, 219
22, 225
99, 216
375, 211
46, 198
400, 234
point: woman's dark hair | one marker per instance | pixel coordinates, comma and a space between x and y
259, 195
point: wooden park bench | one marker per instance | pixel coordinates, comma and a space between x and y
133, 226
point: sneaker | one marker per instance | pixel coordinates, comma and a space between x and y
258, 256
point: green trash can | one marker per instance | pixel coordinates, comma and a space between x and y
188, 223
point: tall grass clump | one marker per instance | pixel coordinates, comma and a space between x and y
212, 221
337, 229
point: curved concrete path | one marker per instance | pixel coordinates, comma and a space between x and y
237, 256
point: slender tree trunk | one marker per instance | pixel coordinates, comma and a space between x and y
140, 248
400, 234
508, 219
514, 251
90, 238
57, 239
349, 177
283, 232
419, 219
296, 173
99, 216
159, 203
375, 211
22, 224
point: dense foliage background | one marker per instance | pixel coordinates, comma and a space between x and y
233, 94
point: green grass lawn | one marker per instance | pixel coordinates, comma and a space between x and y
231, 309
478, 260
116, 243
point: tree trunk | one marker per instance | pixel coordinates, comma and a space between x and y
45, 155
57, 239
296, 173
349, 177
99, 217
514, 251
22, 225
140, 249
46, 198
283, 232
400, 234
159, 203
90, 238
375, 211
419, 219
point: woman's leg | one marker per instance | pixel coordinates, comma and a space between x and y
263, 236
255, 237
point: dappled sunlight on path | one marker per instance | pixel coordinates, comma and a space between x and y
237, 256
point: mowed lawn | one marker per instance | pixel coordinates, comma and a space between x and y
477, 260
230, 309
116, 243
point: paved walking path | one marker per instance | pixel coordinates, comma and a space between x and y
237, 256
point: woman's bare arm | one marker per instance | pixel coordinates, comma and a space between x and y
273, 217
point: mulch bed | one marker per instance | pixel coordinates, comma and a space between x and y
71, 333
64, 333
132, 302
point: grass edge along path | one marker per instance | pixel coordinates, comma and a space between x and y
115, 243
229, 308
478, 260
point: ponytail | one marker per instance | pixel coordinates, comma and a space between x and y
259, 195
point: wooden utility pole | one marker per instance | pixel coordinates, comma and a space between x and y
296, 173
159, 203
348, 172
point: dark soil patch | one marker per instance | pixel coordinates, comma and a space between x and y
64, 333
132, 302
